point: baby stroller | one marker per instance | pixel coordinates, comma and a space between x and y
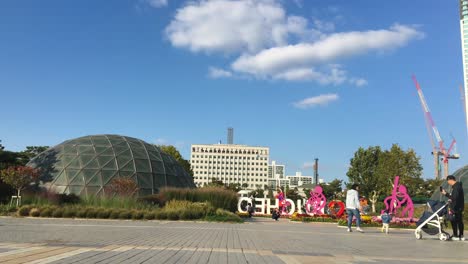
432, 221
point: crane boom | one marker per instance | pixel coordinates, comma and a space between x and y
427, 112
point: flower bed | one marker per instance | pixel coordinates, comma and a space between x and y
376, 221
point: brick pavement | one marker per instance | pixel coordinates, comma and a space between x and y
27, 240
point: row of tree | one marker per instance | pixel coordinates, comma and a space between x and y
374, 170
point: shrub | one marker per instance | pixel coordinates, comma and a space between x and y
46, 212
137, 215
24, 210
161, 215
125, 215
222, 215
91, 213
58, 212
68, 199
114, 202
103, 213
114, 214
149, 215
218, 197
173, 214
69, 212
35, 212
155, 200
81, 213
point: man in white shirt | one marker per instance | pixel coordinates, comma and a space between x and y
353, 206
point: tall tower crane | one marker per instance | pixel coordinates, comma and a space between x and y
439, 151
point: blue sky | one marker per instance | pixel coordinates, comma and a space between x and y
305, 78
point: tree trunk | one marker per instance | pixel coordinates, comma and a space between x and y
373, 199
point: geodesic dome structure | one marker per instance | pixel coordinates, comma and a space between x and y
462, 176
86, 165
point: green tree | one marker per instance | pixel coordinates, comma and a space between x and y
19, 177
362, 170
245, 185
374, 170
171, 150
293, 194
405, 164
234, 187
332, 188
1, 146
215, 183
33, 151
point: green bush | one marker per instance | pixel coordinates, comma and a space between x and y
46, 212
115, 202
149, 215
161, 215
114, 214
91, 213
173, 214
125, 215
69, 212
218, 197
81, 213
137, 215
24, 210
223, 216
103, 213
57, 213
35, 212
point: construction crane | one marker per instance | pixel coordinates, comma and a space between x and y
439, 151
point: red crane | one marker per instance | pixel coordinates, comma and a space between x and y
439, 149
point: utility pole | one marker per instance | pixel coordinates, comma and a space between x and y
316, 171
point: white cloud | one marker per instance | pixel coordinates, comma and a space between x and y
216, 73
232, 26
270, 44
333, 75
335, 46
322, 100
157, 3
359, 82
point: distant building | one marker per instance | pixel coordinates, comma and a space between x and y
276, 176
464, 41
229, 163
298, 180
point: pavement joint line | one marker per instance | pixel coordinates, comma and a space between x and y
29, 255
288, 259
124, 248
108, 248
61, 256
21, 250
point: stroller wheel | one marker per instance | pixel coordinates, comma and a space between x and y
418, 235
443, 236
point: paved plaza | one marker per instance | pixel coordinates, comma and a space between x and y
261, 240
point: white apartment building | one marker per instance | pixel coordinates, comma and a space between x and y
230, 163
299, 180
276, 176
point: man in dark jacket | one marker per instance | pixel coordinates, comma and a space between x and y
456, 204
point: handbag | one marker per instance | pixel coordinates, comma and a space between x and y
450, 215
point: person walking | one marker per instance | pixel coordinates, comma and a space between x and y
386, 218
352, 207
456, 204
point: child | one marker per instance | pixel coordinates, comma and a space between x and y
386, 218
